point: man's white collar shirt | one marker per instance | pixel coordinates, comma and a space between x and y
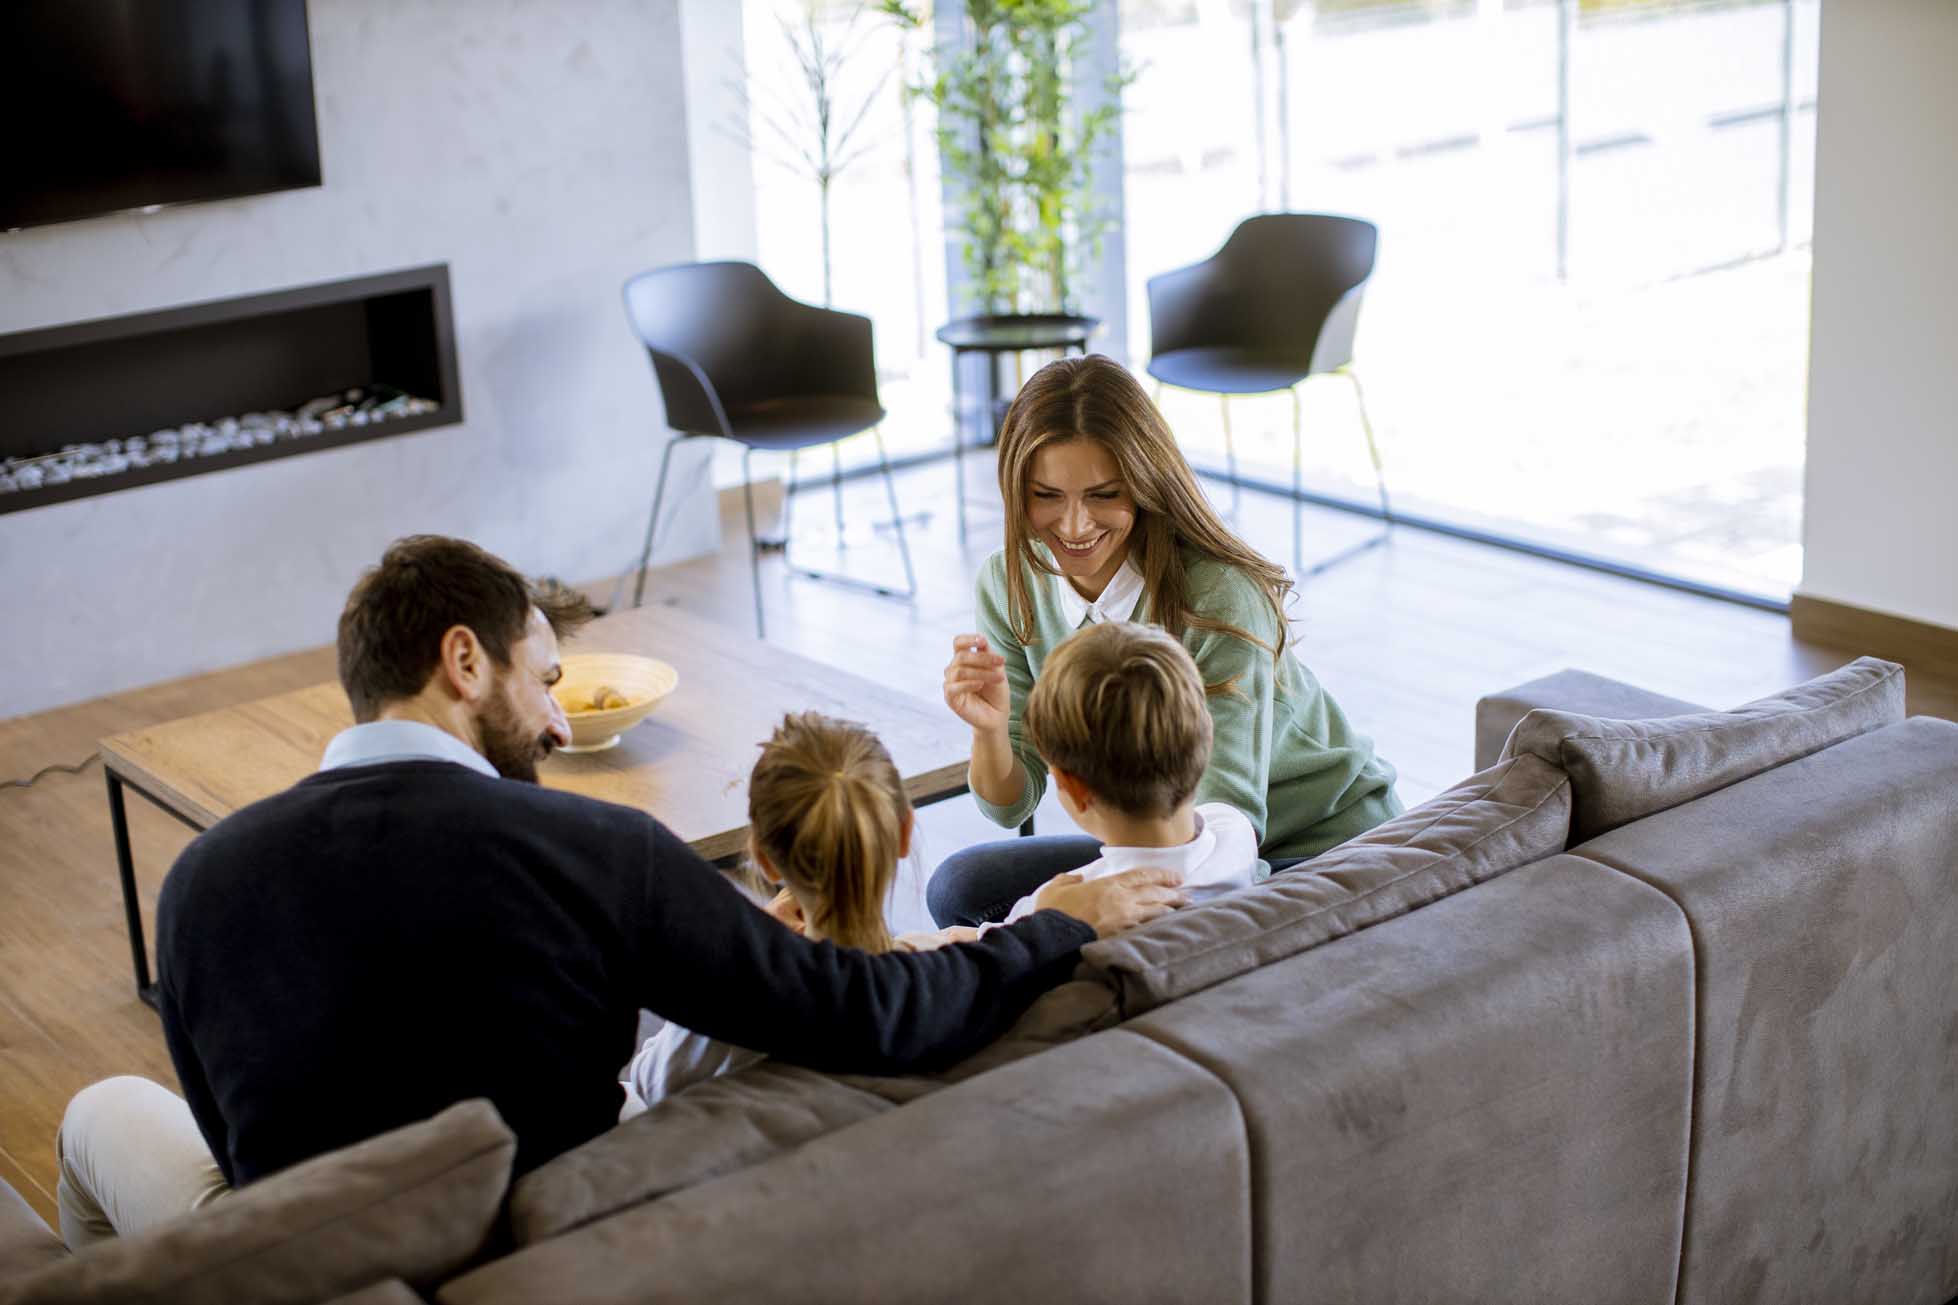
381, 741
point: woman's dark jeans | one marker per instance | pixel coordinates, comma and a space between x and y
979, 884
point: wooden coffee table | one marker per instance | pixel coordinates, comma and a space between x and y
686, 764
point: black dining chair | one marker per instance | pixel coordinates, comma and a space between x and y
736, 359
1280, 302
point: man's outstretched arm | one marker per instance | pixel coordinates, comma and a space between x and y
715, 963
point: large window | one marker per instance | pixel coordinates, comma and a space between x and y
1588, 327
1589, 323
885, 229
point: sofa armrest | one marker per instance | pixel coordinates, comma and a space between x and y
1569, 690
26, 1243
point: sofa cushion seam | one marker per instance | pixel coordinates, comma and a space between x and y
1693, 1069
1183, 1053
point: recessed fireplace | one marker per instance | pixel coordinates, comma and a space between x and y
105, 405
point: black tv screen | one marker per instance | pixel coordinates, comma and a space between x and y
108, 105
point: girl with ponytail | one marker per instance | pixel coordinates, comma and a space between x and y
828, 822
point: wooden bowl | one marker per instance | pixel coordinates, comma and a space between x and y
643, 681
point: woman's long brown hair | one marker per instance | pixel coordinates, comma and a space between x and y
1096, 398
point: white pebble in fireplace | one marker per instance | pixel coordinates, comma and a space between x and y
364, 406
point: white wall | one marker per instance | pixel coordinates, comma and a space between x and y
721, 163
1882, 515
540, 151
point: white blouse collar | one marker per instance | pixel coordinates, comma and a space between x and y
1117, 602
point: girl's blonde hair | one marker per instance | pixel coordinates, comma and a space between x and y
1096, 398
828, 810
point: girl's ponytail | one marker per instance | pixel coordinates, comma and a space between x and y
828, 810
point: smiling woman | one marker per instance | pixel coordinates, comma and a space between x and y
1105, 522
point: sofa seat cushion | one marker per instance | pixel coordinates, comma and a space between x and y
1623, 770
417, 1203
1507, 816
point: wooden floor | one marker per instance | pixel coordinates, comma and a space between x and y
1406, 636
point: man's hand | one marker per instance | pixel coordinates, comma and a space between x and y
1115, 903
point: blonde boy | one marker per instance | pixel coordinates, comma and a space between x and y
1118, 714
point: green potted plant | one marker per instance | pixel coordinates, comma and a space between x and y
1023, 161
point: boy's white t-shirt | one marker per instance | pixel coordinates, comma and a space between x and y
1222, 858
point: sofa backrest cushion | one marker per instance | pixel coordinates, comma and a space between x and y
765, 1110
1108, 1169
392, 1292
417, 1203
1624, 770
1486, 1099
1509, 815
710, 1129
1496, 714
1825, 1138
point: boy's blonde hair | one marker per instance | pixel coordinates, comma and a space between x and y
1121, 708
828, 810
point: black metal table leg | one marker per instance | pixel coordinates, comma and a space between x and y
958, 441
132, 908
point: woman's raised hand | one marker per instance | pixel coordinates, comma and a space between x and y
975, 684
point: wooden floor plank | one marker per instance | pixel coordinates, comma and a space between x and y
1407, 636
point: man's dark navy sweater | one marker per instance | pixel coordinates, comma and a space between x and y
379, 942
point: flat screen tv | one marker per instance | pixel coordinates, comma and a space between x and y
108, 105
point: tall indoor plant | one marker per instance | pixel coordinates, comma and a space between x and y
1020, 151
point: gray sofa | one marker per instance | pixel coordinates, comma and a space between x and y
1658, 1006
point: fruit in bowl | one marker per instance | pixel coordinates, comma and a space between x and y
605, 694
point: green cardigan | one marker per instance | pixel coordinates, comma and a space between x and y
1283, 753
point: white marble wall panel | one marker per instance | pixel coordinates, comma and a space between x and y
538, 149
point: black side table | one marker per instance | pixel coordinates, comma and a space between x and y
995, 335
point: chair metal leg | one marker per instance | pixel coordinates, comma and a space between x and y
659, 492
1230, 454
1373, 449
897, 518
1380, 478
754, 541
958, 474
788, 505
1298, 482
836, 489
910, 590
